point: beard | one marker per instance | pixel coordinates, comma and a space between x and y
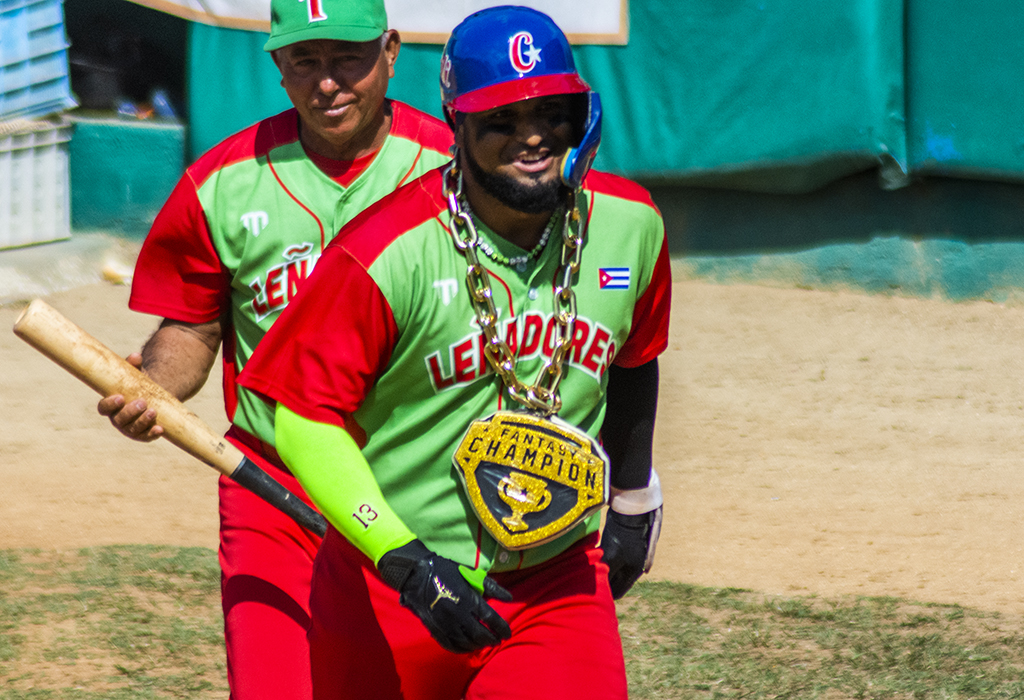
529, 199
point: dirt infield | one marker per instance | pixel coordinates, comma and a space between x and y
809, 442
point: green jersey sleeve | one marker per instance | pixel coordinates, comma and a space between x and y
332, 470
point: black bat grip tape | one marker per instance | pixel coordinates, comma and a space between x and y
263, 485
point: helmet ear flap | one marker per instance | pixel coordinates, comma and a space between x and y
577, 160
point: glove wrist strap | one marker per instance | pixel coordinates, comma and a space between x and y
638, 501
396, 566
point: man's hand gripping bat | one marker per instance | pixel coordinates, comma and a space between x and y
45, 329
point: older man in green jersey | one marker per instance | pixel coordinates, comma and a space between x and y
230, 249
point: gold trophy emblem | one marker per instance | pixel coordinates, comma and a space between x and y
523, 494
533, 466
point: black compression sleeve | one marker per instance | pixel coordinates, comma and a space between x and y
628, 430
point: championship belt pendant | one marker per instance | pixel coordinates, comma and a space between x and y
530, 478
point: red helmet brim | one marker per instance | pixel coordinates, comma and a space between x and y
525, 88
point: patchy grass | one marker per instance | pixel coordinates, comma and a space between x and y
111, 622
138, 622
689, 642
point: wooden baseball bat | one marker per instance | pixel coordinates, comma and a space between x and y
45, 329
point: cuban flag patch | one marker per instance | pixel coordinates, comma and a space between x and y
613, 277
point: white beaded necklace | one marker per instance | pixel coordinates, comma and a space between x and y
519, 261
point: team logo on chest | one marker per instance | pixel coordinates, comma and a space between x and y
523, 54
446, 289
280, 284
254, 221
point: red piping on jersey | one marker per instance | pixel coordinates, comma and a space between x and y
413, 167
296, 200
376, 227
508, 293
590, 209
443, 224
429, 133
426, 130
259, 139
251, 143
590, 214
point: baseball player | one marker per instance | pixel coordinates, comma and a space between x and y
235, 241
496, 388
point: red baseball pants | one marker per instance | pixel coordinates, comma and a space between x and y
266, 562
565, 640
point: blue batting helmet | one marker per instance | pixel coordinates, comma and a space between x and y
507, 54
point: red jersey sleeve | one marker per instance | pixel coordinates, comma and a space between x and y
648, 336
178, 274
324, 353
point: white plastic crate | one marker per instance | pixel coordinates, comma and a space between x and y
33, 59
35, 192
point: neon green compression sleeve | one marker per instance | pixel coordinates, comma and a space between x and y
329, 465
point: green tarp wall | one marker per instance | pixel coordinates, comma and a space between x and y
763, 95
965, 88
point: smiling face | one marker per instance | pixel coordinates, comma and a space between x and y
338, 88
514, 152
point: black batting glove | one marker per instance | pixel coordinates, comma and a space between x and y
628, 542
441, 594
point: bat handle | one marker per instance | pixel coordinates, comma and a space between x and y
259, 482
45, 329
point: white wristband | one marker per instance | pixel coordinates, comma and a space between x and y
637, 501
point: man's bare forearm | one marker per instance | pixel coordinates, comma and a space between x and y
179, 356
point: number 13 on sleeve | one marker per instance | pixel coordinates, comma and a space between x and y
337, 477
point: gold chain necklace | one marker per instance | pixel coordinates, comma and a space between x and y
542, 396
512, 463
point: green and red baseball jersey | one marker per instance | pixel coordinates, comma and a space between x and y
248, 221
406, 374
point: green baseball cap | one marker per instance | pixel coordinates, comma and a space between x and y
292, 21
